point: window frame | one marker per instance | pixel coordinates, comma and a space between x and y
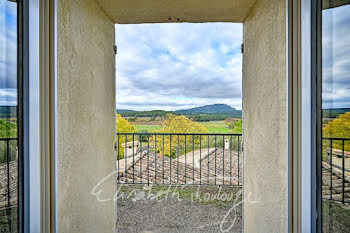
39, 116
304, 133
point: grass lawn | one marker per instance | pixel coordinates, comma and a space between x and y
213, 127
217, 127
149, 128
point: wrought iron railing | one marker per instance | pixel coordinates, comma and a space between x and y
336, 169
212, 159
172, 158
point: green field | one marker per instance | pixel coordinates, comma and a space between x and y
148, 128
213, 127
217, 127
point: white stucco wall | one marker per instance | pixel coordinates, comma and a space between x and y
85, 116
264, 118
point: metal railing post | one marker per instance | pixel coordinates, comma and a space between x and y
223, 160
185, 159
125, 158
331, 171
231, 145
118, 152
178, 155
343, 173
8, 173
238, 165
200, 159
141, 158
148, 159
163, 159
155, 159
133, 158
170, 157
193, 159
215, 160
208, 180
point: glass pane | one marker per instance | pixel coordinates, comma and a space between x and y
336, 116
8, 117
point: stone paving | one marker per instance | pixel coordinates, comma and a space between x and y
218, 168
13, 176
186, 211
337, 183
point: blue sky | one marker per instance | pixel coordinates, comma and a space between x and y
181, 65
8, 53
176, 66
336, 57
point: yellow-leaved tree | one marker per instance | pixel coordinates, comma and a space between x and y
123, 126
338, 128
179, 143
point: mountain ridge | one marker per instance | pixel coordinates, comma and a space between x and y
210, 109
221, 111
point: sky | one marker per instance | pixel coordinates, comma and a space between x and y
182, 65
336, 57
178, 66
8, 53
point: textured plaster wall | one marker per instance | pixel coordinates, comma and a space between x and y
85, 116
264, 124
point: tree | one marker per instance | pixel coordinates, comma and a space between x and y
237, 127
8, 129
132, 119
178, 124
338, 128
123, 126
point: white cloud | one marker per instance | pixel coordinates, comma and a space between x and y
174, 66
336, 57
8, 44
8, 96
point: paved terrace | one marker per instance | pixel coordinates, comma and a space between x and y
335, 174
213, 166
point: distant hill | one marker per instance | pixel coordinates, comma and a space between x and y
124, 110
334, 112
216, 109
203, 113
8, 111
131, 113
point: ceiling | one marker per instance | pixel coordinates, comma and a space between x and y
164, 11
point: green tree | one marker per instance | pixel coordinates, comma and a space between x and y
338, 128
8, 129
237, 127
132, 119
178, 124
123, 126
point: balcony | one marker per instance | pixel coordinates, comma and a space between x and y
153, 163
